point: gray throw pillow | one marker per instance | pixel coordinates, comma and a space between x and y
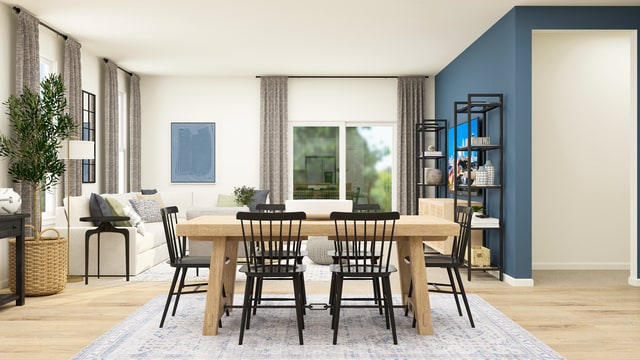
149, 209
259, 197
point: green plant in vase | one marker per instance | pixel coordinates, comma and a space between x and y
244, 194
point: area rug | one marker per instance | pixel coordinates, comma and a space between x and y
273, 335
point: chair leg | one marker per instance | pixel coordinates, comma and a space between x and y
336, 308
180, 287
246, 305
454, 290
332, 293
171, 290
464, 296
406, 309
298, 294
376, 294
388, 301
257, 297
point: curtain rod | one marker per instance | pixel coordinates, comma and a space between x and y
18, 10
341, 77
118, 66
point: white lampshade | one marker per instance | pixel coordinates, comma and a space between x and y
76, 150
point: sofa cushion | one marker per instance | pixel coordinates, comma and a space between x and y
99, 207
155, 196
134, 219
259, 197
118, 210
149, 210
225, 200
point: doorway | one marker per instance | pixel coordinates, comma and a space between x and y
584, 163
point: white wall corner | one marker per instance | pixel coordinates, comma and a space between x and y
517, 282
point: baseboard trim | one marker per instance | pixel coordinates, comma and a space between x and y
634, 282
517, 282
580, 266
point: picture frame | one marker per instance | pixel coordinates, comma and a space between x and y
193, 152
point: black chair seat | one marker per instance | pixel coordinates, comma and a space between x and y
273, 271
192, 261
363, 270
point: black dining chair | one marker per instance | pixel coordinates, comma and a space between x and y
180, 261
452, 263
271, 208
276, 230
363, 233
359, 208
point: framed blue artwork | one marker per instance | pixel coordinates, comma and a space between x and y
193, 152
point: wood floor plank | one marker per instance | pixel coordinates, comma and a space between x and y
578, 321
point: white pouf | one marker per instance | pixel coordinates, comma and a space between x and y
317, 247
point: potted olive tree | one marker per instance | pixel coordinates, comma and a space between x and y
38, 125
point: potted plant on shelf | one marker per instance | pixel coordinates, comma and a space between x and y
39, 124
244, 194
477, 210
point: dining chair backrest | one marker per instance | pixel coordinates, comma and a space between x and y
274, 230
270, 207
368, 233
176, 245
462, 216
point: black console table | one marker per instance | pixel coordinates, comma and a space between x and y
104, 225
13, 226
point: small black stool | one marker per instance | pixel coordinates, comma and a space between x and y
104, 226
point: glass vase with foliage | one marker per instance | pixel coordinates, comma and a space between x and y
244, 194
38, 125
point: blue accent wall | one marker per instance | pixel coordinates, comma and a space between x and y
500, 62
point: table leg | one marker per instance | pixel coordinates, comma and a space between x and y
422, 307
215, 303
230, 270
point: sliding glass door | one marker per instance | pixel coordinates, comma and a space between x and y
363, 151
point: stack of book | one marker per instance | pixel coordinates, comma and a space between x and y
487, 222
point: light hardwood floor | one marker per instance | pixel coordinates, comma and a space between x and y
581, 315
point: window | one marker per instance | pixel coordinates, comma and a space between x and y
89, 134
47, 197
364, 151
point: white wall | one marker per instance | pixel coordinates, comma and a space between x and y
233, 103
583, 144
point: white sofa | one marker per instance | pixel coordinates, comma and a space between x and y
145, 250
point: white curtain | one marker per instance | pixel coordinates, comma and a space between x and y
274, 167
72, 76
410, 111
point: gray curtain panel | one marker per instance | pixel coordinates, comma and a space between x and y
72, 76
27, 74
111, 127
410, 111
273, 142
135, 133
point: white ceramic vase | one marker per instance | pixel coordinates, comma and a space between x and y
10, 201
481, 176
491, 172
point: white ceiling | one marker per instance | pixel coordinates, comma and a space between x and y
278, 37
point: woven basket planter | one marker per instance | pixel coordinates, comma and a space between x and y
45, 264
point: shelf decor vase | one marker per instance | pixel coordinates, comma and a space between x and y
491, 172
10, 201
481, 176
432, 176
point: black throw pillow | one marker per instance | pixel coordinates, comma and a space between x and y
99, 207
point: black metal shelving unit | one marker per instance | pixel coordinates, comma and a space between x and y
488, 109
431, 132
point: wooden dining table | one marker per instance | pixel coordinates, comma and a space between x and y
225, 231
